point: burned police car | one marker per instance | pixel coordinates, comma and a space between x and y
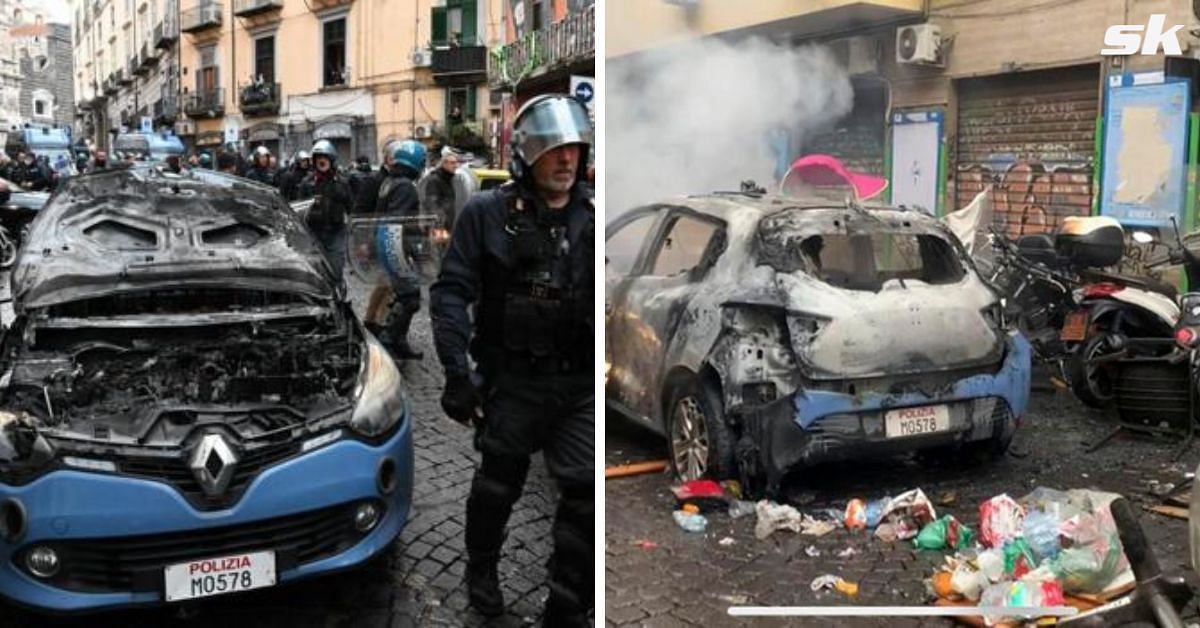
188, 405
762, 333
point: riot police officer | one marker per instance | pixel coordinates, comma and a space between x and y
331, 201
523, 256
261, 169
368, 192
289, 182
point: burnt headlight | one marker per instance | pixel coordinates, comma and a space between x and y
23, 450
379, 393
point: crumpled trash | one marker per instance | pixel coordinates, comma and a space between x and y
847, 553
647, 544
812, 551
691, 522
991, 564
945, 533
739, 508
907, 513
707, 495
1018, 558
968, 583
772, 517
829, 581
1000, 520
875, 509
726, 541
1022, 593
886, 532
856, 515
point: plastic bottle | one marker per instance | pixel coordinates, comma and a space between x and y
874, 511
856, 516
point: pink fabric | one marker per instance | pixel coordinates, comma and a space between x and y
823, 170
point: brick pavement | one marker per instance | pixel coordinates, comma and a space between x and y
690, 579
419, 581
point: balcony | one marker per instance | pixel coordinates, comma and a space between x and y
247, 8
562, 44
165, 34
147, 59
110, 84
165, 110
199, 18
206, 104
131, 67
119, 77
259, 100
459, 65
317, 6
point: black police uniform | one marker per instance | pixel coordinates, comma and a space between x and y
327, 216
265, 175
397, 196
529, 271
289, 182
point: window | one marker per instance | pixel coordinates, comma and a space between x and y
39, 107
264, 58
454, 24
621, 248
539, 15
335, 52
865, 261
460, 105
684, 246
207, 77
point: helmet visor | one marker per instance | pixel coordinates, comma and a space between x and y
550, 124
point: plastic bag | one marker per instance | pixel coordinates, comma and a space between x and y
690, 521
739, 509
874, 511
907, 513
772, 517
991, 564
856, 515
1018, 558
1041, 532
1000, 520
944, 533
968, 583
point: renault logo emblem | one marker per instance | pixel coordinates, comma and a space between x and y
213, 463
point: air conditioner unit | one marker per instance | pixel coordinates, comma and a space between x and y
920, 44
422, 58
423, 131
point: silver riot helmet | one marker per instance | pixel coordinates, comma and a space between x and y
545, 123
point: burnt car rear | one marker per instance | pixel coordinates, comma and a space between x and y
807, 331
184, 381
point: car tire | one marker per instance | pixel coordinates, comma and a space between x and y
700, 443
1091, 384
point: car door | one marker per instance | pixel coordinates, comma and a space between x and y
653, 299
626, 242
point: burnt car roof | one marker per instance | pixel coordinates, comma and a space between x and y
722, 204
138, 227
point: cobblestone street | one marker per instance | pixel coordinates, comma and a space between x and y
691, 579
419, 580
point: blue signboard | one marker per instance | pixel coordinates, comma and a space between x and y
1145, 149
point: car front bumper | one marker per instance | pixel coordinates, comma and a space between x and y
809, 427
93, 511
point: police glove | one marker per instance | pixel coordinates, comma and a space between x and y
461, 400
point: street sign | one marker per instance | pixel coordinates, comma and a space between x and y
147, 124
584, 89
231, 135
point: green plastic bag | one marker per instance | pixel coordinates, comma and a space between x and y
944, 533
1018, 558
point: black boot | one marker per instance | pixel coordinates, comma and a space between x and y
483, 588
401, 319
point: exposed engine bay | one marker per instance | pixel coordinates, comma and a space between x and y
146, 368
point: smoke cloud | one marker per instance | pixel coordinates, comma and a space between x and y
699, 117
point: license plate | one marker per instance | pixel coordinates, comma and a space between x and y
916, 421
1075, 327
214, 576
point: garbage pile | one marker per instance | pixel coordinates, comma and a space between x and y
1047, 548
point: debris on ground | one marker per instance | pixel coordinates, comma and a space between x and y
836, 583
727, 541
773, 516
691, 522
1174, 512
732, 488
736, 600
637, 468
646, 544
908, 513
847, 553
707, 495
812, 551
692, 508
947, 498
945, 533
739, 508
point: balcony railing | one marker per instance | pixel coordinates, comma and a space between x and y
119, 77
260, 99
198, 18
205, 104
246, 8
165, 33
561, 44
131, 67
459, 64
165, 110
110, 84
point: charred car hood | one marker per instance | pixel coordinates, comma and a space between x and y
130, 230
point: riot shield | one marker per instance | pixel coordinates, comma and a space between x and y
382, 249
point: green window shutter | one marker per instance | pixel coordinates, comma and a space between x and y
468, 23
437, 26
446, 113
469, 113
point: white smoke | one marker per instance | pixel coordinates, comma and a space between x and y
696, 118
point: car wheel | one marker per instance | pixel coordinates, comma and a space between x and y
701, 444
1091, 383
8, 251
